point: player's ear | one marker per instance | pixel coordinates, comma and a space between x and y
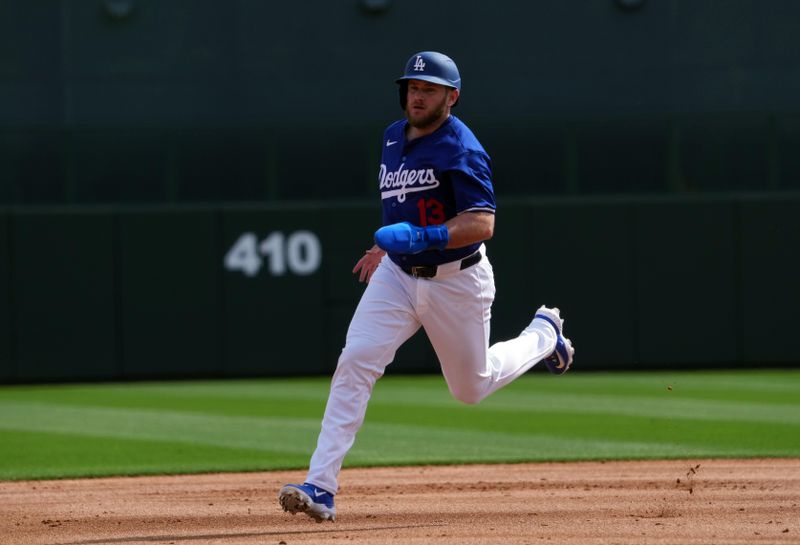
452, 97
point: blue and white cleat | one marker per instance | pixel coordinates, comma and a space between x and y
559, 361
307, 498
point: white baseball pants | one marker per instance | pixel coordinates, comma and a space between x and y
455, 310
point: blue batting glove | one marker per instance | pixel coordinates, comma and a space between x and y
404, 238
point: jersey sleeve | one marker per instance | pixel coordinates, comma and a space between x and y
471, 175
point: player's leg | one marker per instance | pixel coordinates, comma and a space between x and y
457, 322
382, 322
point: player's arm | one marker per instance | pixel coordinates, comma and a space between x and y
469, 228
405, 238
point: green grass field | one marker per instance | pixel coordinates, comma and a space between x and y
199, 426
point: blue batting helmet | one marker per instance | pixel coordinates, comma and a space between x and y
429, 66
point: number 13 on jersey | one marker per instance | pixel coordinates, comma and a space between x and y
431, 212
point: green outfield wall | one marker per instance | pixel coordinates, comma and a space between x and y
186, 185
157, 292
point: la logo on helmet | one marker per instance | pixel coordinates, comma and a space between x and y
419, 64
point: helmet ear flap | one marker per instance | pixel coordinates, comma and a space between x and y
403, 90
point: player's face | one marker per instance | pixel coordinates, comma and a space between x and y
427, 103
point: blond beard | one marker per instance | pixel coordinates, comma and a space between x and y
437, 114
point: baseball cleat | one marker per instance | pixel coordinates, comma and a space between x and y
559, 361
307, 498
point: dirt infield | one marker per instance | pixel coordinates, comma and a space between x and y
666, 502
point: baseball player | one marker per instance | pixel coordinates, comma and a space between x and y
428, 269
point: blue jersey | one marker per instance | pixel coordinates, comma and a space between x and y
431, 179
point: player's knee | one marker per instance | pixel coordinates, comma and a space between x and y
360, 360
469, 395
359, 354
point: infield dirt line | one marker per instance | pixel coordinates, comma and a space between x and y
664, 502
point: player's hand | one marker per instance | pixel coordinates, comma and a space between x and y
368, 263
